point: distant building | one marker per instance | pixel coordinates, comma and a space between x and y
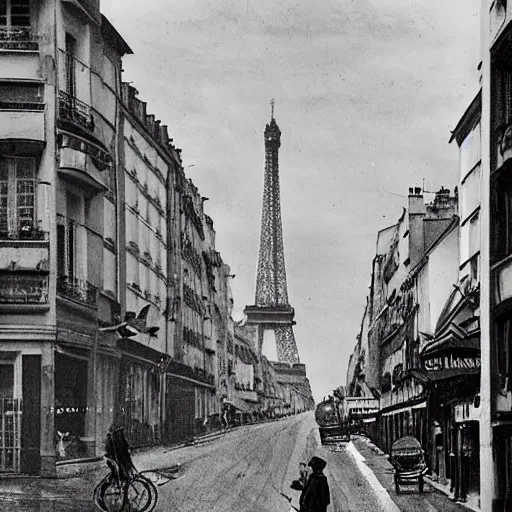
146, 165
413, 272
243, 394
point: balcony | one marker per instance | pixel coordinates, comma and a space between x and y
21, 120
24, 251
19, 54
77, 290
75, 111
84, 161
24, 270
17, 289
18, 39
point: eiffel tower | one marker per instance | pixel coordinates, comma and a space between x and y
272, 310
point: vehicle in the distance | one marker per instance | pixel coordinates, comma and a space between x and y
332, 420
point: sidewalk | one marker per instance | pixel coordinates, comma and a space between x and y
434, 497
73, 488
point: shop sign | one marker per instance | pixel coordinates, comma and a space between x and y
452, 362
466, 412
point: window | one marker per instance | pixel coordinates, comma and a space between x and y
473, 270
501, 220
70, 65
66, 247
14, 13
21, 96
17, 196
6, 380
501, 111
502, 94
503, 354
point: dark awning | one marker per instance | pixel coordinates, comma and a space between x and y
243, 405
138, 350
434, 376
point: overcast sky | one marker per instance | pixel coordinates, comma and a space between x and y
366, 93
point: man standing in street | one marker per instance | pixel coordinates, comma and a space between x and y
315, 495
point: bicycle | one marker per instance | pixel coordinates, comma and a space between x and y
124, 489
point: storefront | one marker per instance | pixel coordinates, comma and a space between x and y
452, 377
190, 399
408, 419
20, 434
140, 384
71, 403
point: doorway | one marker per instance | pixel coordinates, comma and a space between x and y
10, 415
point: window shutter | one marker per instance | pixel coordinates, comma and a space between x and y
61, 250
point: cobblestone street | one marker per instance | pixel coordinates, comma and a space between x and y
242, 470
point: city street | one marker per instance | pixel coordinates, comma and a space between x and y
240, 471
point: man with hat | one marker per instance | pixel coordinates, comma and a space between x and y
315, 493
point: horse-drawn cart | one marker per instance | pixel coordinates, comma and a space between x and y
408, 461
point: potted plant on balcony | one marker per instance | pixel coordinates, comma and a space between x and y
30, 231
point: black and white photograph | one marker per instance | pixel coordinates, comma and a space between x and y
255, 256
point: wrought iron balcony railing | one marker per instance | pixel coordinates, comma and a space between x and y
76, 111
18, 38
78, 290
23, 289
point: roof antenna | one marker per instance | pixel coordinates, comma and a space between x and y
272, 103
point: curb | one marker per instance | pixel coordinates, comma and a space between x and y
444, 490
382, 495
441, 488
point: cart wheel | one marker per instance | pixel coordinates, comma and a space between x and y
397, 487
421, 483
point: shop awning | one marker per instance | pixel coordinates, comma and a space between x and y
435, 376
140, 351
453, 342
244, 406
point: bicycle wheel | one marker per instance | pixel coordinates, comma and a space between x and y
109, 496
153, 487
140, 495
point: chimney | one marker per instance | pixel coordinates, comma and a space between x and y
150, 123
416, 203
164, 134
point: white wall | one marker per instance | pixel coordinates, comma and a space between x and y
443, 273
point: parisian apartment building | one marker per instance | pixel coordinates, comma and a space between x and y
460, 358
115, 306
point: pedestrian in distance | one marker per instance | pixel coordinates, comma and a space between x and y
315, 496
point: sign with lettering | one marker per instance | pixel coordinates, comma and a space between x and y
451, 362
